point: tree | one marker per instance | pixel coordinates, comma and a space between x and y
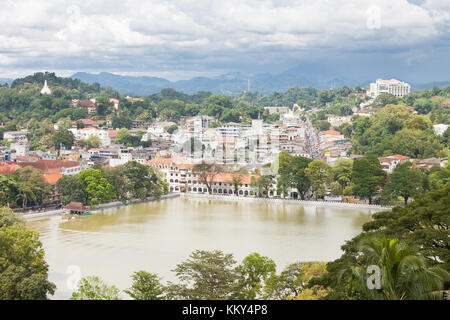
123, 136
93, 288
89, 143
23, 270
121, 121
206, 173
103, 105
367, 176
251, 274
30, 186
404, 182
172, 129
71, 189
97, 188
63, 138
263, 185
141, 182
287, 285
237, 183
342, 171
319, 173
206, 275
404, 273
422, 224
146, 286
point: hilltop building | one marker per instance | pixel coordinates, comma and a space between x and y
392, 86
46, 90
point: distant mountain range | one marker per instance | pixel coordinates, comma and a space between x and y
6, 80
229, 84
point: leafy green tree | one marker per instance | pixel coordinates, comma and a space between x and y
319, 173
422, 225
97, 188
367, 176
439, 178
251, 274
286, 285
206, 172
103, 105
236, 181
404, 182
23, 270
342, 171
263, 185
205, 275
172, 129
94, 288
89, 143
71, 189
121, 121
63, 138
404, 272
146, 286
30, 187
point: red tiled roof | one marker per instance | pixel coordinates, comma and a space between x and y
112, 133
86, 122
228, 177
332, 132
399, 156
86, 103
52, 178
8, 168
50, 166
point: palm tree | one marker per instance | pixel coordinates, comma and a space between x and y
404, 273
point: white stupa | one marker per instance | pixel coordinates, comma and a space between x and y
46, 89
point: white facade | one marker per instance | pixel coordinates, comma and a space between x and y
439, 129
82, 134
392, 86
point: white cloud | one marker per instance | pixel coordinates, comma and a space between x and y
173, 32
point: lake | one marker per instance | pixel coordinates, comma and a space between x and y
156, 236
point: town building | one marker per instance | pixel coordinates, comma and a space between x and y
392, 86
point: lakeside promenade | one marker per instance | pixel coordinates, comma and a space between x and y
289, 201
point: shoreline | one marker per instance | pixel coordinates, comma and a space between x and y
114, 204
117, 204
289, 201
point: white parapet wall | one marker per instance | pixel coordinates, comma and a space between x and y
289, 201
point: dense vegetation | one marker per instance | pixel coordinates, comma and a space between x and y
409, 246
23, 270
102, 184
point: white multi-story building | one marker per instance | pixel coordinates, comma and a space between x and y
85, 133
392, 86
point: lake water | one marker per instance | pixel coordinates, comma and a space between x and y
156, 236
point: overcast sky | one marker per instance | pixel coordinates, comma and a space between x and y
181, 39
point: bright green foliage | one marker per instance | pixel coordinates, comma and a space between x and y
98, 189
62, 138
93, 288
319, 173
367, 177
404, 182
23, 270
422, 225
292, 174
404, 272
146, 286
251, 274
71, 189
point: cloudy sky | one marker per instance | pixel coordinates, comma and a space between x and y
179, 39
